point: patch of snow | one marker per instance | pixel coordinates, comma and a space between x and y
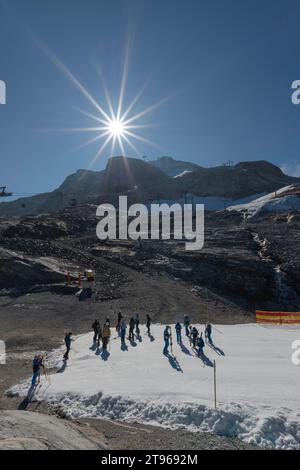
269, 203
257, 384
184, 172
211, 203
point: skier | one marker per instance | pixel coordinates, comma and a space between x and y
100, 337
97, 331
137, 322
200, 345
68, 340
123, 330
178, 329
37, 364
208, 333
148, 323
120, 316
186, 322
194, 334
167, 335
105, 334
132, 323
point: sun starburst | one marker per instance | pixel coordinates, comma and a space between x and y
115, 127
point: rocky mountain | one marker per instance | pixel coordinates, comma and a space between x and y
128, 174
235, 182
144, 181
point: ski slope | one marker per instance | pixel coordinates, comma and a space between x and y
257, 384
269, 203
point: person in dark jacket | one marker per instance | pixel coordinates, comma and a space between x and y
148, 323
178, 329
131, 329
137, 324
195, 334
97, 331
208, 333
120, 316
167, 335
200, 345
68, 341
123, 327
187, 322
37, 364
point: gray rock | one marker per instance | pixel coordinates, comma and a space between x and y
34, 431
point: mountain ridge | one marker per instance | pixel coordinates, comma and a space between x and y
145, 181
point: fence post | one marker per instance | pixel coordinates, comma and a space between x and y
215, 384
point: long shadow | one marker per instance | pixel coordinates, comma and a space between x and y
184, 349
30, 394
206, 361
174, 363
105, 354
217, 350
63, 368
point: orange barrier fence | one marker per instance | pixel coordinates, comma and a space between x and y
277, 317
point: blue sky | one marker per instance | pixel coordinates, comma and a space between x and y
225, 67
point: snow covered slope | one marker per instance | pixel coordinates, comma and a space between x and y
257, 384
211, 203
270, 203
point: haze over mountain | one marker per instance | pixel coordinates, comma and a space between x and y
144, 181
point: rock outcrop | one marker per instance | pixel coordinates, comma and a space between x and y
25, 430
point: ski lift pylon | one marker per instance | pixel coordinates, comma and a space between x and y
4, 193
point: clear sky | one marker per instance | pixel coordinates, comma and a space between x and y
225, 67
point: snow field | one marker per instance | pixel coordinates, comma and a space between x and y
257, 384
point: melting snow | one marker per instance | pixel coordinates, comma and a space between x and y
257, 384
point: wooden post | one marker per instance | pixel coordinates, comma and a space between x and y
215, 384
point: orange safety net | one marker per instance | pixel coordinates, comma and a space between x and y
277, 317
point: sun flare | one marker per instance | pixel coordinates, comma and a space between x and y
116, 128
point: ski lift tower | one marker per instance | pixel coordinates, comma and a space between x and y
4, 193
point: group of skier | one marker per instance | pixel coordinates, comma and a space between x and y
102, 333
196, 339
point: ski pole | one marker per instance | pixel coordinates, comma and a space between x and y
47, 376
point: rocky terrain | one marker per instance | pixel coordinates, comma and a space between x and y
26, 430
242, 262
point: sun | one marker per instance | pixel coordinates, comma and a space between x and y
116, 128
